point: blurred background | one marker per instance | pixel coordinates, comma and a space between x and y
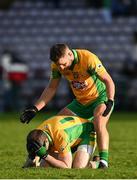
28, 28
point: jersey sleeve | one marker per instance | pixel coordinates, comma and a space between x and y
55, 74
95, 66
62, 145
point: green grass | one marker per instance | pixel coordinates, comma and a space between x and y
123, 150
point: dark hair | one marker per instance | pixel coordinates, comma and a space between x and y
35, 136
57, 51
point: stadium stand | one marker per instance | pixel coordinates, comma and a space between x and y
30, 28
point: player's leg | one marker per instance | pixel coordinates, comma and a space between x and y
85, 150
82, 156
73, 109
94, 163
100, 125
76, 109
44, 164
67, 112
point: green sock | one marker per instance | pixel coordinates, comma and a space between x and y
104, 155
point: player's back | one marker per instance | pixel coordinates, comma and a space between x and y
62, 122
69, 127
66, 131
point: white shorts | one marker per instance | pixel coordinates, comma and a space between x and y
86, 148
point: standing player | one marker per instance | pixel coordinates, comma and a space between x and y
92, 86
54, 140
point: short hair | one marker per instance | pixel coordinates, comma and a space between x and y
35, 136
57, 51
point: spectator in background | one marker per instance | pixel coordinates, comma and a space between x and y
14, 72
107, 11
105, 6
124, 7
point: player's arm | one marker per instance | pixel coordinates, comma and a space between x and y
58, 162
32, 162
47, 94
64, 158
62, 161
45, 97
51, 89
95, 66
110, 86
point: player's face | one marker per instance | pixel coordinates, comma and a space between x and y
65, 61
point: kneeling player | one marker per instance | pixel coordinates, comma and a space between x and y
51, 144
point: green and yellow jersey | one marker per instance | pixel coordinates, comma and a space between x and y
67, 132
83, 76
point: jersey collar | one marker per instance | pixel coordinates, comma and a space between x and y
75, 61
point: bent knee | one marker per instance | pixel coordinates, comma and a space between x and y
97, 119
99, 122
66, 112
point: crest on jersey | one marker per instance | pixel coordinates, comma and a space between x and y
79, 85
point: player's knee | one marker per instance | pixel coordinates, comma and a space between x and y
97, 120
98, 123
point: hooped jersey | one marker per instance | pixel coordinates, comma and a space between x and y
67, 132
83, 76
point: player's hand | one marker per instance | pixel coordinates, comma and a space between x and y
109, 105
35, 162
35, 148
28, 114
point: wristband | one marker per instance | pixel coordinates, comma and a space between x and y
42, 152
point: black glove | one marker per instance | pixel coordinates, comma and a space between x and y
28, 114
36, 149
109, 105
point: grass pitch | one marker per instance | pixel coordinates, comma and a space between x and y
123, 150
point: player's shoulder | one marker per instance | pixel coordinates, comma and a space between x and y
53, 65
85, 53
